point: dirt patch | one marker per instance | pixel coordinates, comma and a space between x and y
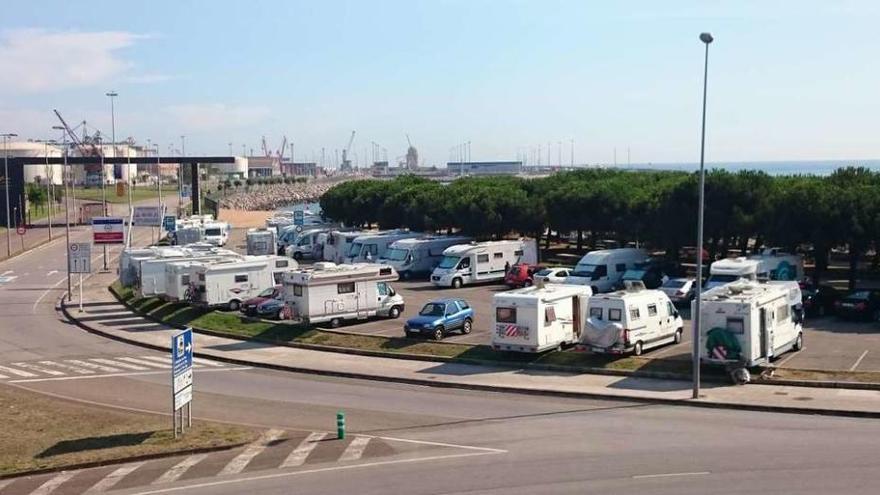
245, 219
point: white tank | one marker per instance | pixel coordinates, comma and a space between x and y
34, 149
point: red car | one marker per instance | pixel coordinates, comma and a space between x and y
249, 307
521, 275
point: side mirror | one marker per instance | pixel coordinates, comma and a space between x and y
391, 292
675, 313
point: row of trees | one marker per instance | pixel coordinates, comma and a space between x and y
744, 210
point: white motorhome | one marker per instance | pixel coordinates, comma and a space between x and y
464, 264
151, 274
129, 259
419, 256
290, 234
631, 320
602, 268
334, 293
228, 284
779, 265
338, 243
769, 265
216, 233
535, 319
747, 323
369, 248
304, 246
180, 276
260, 242
187, 235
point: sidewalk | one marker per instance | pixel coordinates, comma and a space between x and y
103, 314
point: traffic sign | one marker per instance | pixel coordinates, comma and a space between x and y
21, 230
108, 230
80, 257
169, 223
181, 368
298, 217
150, 216
185, 191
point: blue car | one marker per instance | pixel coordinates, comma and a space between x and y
441, 316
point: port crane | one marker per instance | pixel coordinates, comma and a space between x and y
346, 161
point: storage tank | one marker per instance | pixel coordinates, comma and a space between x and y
238, 168
35, 149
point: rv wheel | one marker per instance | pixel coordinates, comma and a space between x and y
438, 333
456, 283
234, 305
799, 342
637, 350
466, 328
678, 336
297, 256
394, 312
335, 323
740, 376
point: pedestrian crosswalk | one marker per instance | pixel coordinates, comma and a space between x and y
93, 367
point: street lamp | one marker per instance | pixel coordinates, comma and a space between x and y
706, 38
66, 176
6, 180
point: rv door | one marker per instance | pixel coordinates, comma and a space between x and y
764, 333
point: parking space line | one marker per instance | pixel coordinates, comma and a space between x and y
181, 467
781, 362
38, 369
16, 372
859, 361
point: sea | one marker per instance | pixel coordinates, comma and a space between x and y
801, 167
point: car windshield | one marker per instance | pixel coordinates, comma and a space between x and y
723, 278
633, 274
212, 231
862, 294
544, 272
448, 262
674, 284
584, 270
267, 292
355, 249
396, 254
433, 309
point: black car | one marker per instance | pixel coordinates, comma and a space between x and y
819, 300
862, 304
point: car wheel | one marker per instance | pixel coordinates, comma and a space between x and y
280, 314
678, 334
234, 305
527, 283
335, 323
394, 312
466, 328
637, 349
798, 342
438, 333
456, 283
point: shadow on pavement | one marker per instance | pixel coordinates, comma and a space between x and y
96, 443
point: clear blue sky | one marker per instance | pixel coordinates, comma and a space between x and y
787, 80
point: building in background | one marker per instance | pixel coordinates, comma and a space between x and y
484, 168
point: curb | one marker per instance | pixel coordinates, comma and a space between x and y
503, 389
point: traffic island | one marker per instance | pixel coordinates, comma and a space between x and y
43, 434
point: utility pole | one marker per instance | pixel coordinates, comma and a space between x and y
572, 153
66, 177
6, 180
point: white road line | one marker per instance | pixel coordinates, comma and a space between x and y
145, 362
302, 451
111, 479
441, 444
7, 272
3, 377
781, 362
669, 475
75, 369
163, 360
52, 272
13, 371
46, 292
5, 483
181, 467
355, 449
110, 362
50, 486
39, 369
859, 361
240, 461
86, 364
207, 362
113, 375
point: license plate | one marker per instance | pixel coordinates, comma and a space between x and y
597, 349
848, 305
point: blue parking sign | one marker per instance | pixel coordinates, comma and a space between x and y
181, 352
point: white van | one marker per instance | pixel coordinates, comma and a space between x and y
464, 264
603, 268
228, 284
728, 270
535, 319
180, 276
369, 248
216, 233
304, 245
418, 256
631, 320
334, 293
337, 244
260, 242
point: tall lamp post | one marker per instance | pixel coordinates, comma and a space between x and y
706, 38
66, 177
180, 173
6, 180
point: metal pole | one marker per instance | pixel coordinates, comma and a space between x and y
48, 192
80, 292
65, 177
705, 38
159, 178
104, 198
6, 180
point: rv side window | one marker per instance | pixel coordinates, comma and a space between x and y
297, 290
518, 252
634, 313
346, 288
600, 271
614, 314
498, 255
482, 258
505, 315
277, 277
241, 279
281, 263
620, 267
184, 280
652, 310
782, 313
201, 277
736, 325
596, 313
549, 315
382, 288
373, 249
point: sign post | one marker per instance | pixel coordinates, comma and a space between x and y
298, 217
80, 261
181, 379
108, 230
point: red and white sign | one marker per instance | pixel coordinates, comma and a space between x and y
108, 230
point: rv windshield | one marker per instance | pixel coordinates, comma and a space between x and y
213, 231
396, 254
355, 250
448, 262
584, 271
722, 279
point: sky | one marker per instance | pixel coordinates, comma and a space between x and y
787, 80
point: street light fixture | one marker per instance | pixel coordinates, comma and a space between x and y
6, 180
706, 38
66, 176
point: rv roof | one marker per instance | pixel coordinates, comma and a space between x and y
626, 295
552, 290
465, 248
745, 291
411, 241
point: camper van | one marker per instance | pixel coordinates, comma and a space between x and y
779, 265
334, 293
304, 246
187, 235
369, 248
216, 233
260, 242
151, 275
769, 265
419, 256
535, 319
289, 234
746, 324
131, 257
603, 268
631, 320
464, 264
180, 276
228, 284
338, 243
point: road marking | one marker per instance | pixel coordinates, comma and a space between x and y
302, 451
312, 471
5, 483
240, 461
207, 362
75, 369
441, 444
355, 449
781, 362
86, 364
859, 361
50, 486
145, 363
669, 475
113, 375
16, 372
177, 471
40, 369
110, 362
46, 292
163, 360
7, 272
53, 272
111, 479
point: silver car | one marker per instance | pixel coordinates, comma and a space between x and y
679, 290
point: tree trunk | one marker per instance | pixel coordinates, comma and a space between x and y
547, 242
853, 265
724, 244
580, 244
821, 263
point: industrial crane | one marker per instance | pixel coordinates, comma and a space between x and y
282, 149
80, 144
266, 151
346, 162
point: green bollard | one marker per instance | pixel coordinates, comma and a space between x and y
340, 425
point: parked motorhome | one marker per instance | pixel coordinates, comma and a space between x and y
334, 293
228, 284
779, 265
419, 256
216, 233
369, 248
770, 265
746, 323
151, 275
129, 259
290, 234
187, 235
631, 320
601, 269
304, 246
538, 318
180, 275
338, 243
260, 242
464, 264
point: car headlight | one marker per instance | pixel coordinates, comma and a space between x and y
427, 325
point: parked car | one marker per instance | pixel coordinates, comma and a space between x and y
249, 307
819, 300
440, 317
862, 305
274, 309
551, 275
521, 275
679, 290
